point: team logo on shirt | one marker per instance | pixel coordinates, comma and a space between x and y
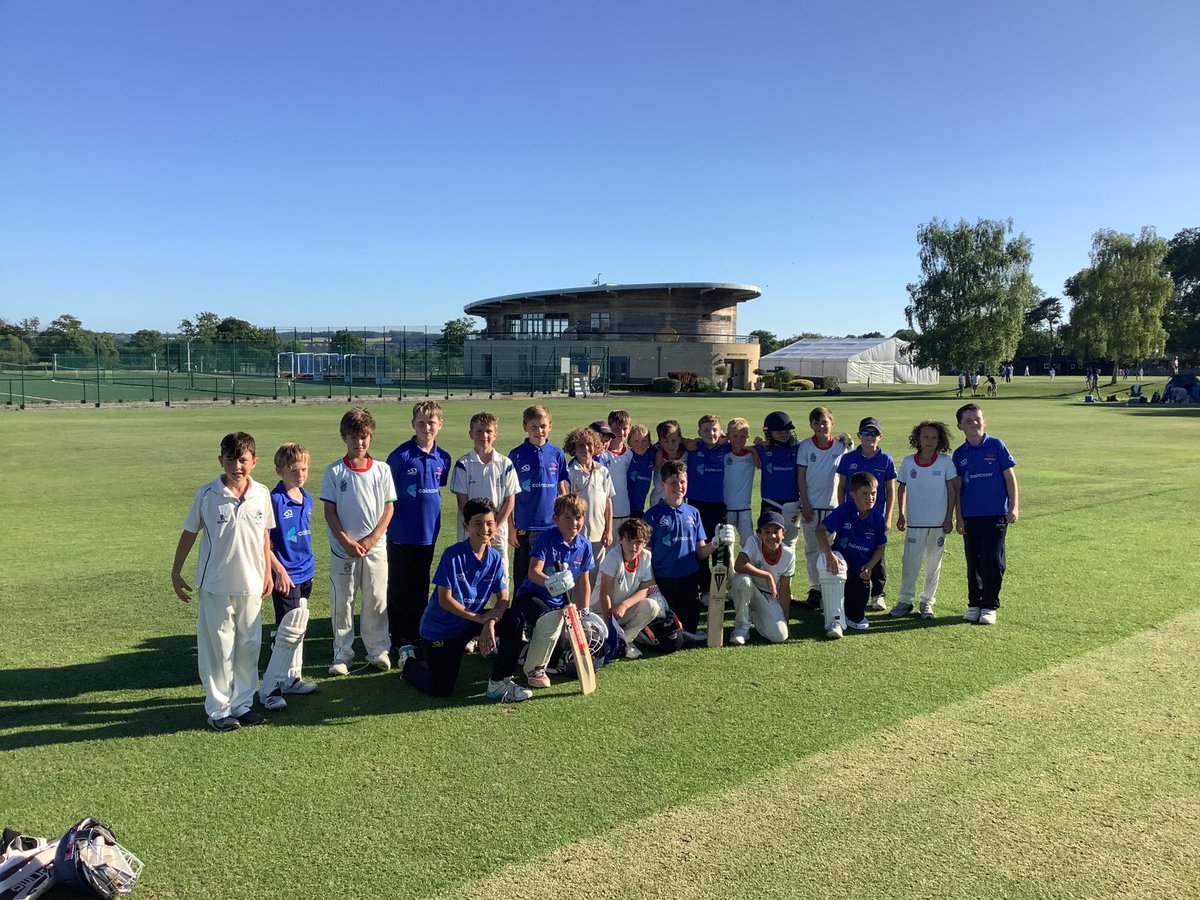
525, 468
812, 457
287, 514
222, 518
291, 537
412, 490
852, 466
259, 517
912, 474
552, 468
343, 485
412, 471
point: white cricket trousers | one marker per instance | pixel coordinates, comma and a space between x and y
752, 605
228, 640
642, 614
743, 521
922, 545
812, 550
368, 574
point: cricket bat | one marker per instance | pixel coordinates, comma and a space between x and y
28, 874
585, 670
718, 588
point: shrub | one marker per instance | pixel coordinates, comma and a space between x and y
641, 386
665, 385
800, 384
706, 385
779, 379
687, 380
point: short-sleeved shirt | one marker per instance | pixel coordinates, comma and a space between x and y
853, 536
983, 491
360, 496
419, 478
291, 538
596, 488
925, 493
881, 465
470, 580
540, 470
678, 531
656, 491
618, 468
639, 479
555, 552
626, 581
232, 559
738, 488
783, 567
706, 472
820, 468
472, 477
779, 472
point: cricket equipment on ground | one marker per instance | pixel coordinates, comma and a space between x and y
90, 861
718, 588
632, 652
972, 614
833, 592
543, 639
597, 636
560, 583
507, 691
286, 653
901, 609
27, 866
585, 670
987, 617
664, 634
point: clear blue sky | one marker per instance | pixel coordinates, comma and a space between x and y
386, 163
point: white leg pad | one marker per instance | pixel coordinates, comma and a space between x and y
541, 642
833, 591
287, 653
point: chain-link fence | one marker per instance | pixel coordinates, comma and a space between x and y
292, 364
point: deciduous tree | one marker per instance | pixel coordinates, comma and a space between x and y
1182, 317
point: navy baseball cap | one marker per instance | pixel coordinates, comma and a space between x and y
778, 421
868, 423
769, 518
601, 428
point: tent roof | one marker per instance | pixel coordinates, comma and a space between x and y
826, 348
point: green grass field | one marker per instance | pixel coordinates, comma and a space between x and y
1054, 755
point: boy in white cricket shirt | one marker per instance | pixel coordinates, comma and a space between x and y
358, 494
485, 472
741, 462
818, 458
762, 587
233, 517
617, 458
926, 499
591, 481
627, 590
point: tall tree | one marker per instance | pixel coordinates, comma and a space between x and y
202, 328
767, 342
1120, 298
1182, 317
454, 335
975, 288
346, 341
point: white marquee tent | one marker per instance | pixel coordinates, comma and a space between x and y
852, 360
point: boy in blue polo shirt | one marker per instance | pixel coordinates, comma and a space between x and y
542, 473
986, 506
706, 477
859, 536
469, 574
640, 476
420, 469
678, 543
293, 566
560, 559
869, 458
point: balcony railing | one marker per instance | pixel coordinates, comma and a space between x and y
605, 337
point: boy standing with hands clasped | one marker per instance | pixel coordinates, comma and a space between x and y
233, 575
358, 495
542, 474
987, 505
925, 503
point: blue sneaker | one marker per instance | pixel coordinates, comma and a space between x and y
507, 691
862, 625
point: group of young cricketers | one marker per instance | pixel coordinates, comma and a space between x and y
625, 528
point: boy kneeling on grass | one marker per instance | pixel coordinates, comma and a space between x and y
858, 532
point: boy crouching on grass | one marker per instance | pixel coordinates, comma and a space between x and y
292, 566
627, 591
762, 586
856, 529
469, 574
233, 575
560, 560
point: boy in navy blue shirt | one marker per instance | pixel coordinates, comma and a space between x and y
469, 574
420, 469
856, 530
560, 559
986, 506
869, 458
678, 543
542, 472
640, 476
293, 565
706, 477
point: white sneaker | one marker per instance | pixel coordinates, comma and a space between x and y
878, 602
472, 646
631, 651
901, 609
274, 700
926, 610
738, 638
507, 691
972, 614
339, 668
696, 637
382, 662
300, 686
861, 625
835, 631
987, 617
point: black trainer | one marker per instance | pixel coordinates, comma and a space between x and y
224, 723
250, 718
813, 601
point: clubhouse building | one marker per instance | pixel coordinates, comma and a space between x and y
626, 333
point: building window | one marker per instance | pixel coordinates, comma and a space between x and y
532, 326
600, 322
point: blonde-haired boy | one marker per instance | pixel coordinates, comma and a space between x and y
485, 472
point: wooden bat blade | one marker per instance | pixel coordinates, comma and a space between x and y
585, 670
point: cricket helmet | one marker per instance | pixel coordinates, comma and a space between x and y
664, 634
597, 635
90, 861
